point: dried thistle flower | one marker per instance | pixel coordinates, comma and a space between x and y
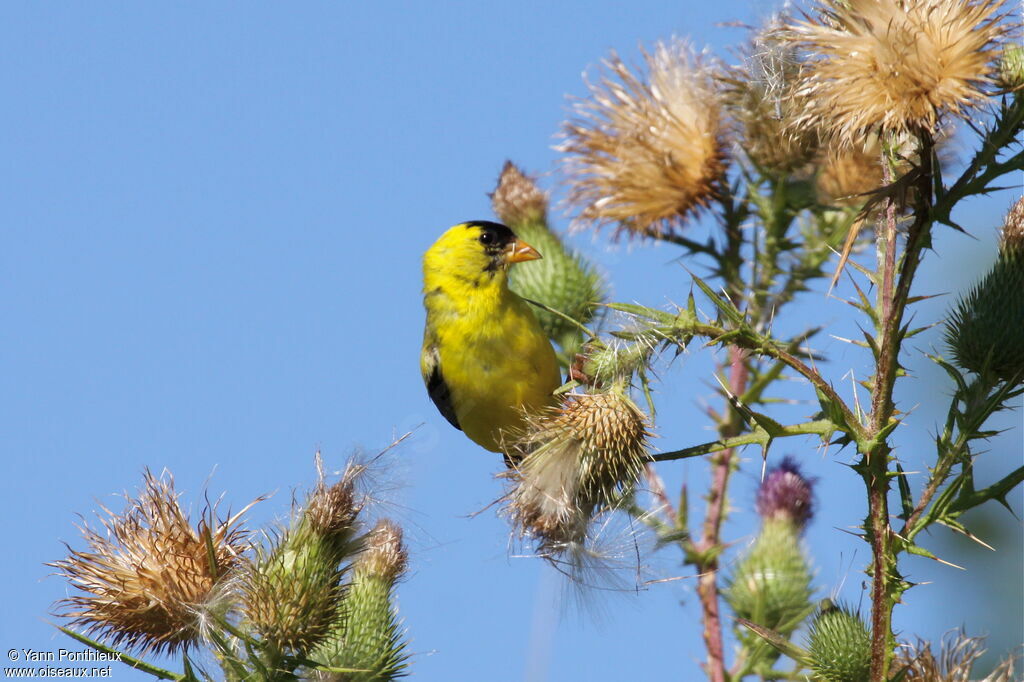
332, 511
645, 152
958, 654
385, 554
845, 175
762, 96
517, 199
148, 581
579, 457
896, 65
1011, 238
786, 495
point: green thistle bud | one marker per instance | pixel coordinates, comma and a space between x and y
369, 639
292, 592
986, 329
1011, 67
619, 360
771, 585
840, 645
290, 595
561, 279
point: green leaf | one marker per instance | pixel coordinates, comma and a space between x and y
921, 551
997, 491
906, 498
643, 311
783, 645
731, 312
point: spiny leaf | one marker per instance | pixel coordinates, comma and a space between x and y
643, 311
958, 527
731, 312
783, 645
906, 498
921, 551
997, 491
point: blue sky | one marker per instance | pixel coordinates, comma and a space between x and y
212, 221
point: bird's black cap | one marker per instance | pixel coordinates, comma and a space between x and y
493, 234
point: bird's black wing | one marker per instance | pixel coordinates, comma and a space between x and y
436, 386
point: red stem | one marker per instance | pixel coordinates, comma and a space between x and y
707, 581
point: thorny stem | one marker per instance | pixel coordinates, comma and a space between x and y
821, 427
892, 298
721, 468
722, 465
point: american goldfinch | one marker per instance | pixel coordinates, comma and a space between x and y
486, 361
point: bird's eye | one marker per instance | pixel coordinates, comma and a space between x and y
487, 238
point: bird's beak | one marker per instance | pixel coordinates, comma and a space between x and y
519, 251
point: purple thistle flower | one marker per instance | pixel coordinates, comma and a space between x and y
786, 495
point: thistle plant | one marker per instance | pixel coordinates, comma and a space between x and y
313, 600
818, 157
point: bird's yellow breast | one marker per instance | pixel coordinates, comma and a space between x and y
494, 357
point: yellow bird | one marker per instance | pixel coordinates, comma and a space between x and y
485, 359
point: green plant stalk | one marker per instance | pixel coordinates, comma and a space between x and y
709, 548
893, 294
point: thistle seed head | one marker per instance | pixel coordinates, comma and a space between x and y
896, 65
578, 459
846, 174
147, 580
762, 96
332, 511
646, 150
